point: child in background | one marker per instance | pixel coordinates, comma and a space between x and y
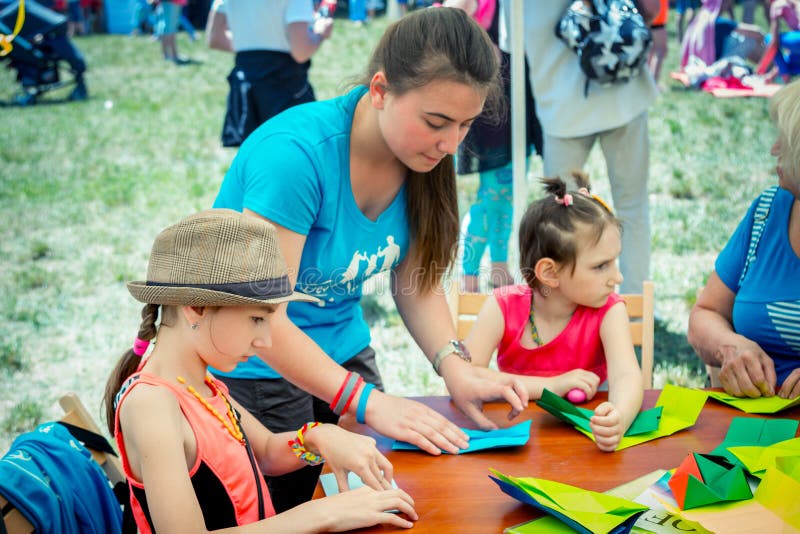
193, 457
487, 150
567, 328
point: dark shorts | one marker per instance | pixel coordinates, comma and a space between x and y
262, 84
283, 407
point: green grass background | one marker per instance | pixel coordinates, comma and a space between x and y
84, 188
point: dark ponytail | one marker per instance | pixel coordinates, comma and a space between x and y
128, 363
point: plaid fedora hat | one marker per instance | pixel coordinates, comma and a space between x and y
217, 257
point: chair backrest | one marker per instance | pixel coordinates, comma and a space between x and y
75, 413
465, 307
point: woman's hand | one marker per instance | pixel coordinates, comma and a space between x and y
607, 427
360, 508
746, 370
581, 379
791, 386
471, 386
346, 451
413, 422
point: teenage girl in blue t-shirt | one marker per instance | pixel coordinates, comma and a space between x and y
357, 185
750, 326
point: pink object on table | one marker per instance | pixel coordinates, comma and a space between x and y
576, 396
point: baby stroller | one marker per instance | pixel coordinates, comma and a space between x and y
38, 51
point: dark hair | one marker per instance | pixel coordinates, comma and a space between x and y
128, 363
549, 228
429, 45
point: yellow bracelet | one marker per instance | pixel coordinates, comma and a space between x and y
298, 446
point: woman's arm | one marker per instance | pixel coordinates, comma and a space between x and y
218, 36
312, 370
427, 317
746, 370
304, 39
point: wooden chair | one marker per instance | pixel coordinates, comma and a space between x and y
465, 307
75, 414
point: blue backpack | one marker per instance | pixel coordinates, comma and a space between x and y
610, 37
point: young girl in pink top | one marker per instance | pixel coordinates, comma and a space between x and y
566, 328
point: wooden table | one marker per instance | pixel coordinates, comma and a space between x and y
453, 493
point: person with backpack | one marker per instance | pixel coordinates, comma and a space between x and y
576, 112
747, 318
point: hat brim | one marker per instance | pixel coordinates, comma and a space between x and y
192, 296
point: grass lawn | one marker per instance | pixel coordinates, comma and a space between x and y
84, 188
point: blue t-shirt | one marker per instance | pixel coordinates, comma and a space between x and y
295, 170
766, 308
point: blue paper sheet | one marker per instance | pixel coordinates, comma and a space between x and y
330, 487
479, 440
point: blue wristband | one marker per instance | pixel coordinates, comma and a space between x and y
362, 403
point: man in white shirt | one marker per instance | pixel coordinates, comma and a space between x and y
273, 41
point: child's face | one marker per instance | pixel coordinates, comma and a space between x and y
234, 334
596, 273
424, 125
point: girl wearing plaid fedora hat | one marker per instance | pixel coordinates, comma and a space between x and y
358, 185
194, 457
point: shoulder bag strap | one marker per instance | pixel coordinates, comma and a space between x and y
759, 221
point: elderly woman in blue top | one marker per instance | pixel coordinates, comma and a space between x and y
357, 185
747, 319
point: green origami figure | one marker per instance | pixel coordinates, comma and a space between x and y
704, 479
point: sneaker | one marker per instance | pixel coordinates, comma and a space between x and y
79, 93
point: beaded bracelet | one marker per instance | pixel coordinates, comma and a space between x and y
299, 447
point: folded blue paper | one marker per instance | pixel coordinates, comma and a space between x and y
331, 487
479, 440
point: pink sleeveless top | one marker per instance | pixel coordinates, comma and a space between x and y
484, 13
223, 477
578, 346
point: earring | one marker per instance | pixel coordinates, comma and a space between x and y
195, 326
544, 290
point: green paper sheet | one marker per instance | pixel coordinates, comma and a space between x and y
790, 465
680, 408
755, 431
594, 512
758, 459
646, 421
758, 405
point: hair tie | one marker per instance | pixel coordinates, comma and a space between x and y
140, 346
566, 200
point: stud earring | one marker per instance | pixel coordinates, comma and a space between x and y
545, 290
195, 326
